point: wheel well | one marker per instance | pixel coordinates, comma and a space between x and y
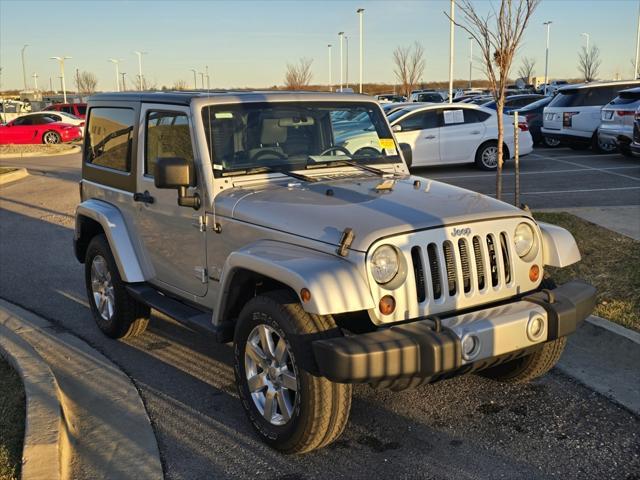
87, 229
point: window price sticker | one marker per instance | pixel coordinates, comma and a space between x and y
388, 145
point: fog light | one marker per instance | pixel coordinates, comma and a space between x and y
470, 346
534, 273
387, 305
535, 327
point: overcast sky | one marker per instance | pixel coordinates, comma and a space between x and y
248, 43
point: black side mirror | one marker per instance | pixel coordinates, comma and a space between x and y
405, 148
176, 172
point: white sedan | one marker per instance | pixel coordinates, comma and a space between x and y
444, 134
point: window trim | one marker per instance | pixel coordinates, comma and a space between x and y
131, 149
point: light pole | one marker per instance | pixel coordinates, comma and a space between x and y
124, 85
64, 86
546, 58
360, 11
116, 63
451, 28
637, 68
140, 54
35, 81
195, 78
201, 78
206, 74
329, 47
346, 67
24, 70
470, 59
341, 35
586, 35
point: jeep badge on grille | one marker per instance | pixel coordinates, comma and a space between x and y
459, 232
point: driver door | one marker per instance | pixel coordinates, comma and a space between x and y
421, 131
170, 235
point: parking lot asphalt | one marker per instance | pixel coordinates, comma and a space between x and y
465, 428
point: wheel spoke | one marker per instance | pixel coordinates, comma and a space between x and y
282, 403
257, 382
266, 341
269, 405
256, 354
289, 381
281, 353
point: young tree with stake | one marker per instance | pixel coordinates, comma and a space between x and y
498, 34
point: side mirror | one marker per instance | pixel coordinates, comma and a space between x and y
396, 128
405, 148
175, 172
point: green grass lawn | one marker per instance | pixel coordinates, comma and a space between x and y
11, 422
610, 261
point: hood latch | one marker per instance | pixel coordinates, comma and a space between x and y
345, 242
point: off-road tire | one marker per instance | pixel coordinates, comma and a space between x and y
130, 317
321, 408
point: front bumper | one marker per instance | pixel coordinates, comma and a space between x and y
417, 350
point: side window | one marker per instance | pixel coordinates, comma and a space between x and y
67, 109
82, 110
23, 121
420, 121
109, 136
167, 135
475, 116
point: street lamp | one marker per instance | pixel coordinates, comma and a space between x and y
360, 11
341, 35
546, 58
124, 85
195, 78
206, 74
35, 81
116, 62
140, 54
64, 86
329, 46
201, 78
346, 67
24, 70
637, 69
451, 25
470, 59
586, 35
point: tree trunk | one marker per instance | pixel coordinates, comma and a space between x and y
499, 110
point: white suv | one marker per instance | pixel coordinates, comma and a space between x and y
573, 116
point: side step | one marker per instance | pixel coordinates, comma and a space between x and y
194, 318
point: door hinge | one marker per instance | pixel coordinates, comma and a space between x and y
202, 274
201, 223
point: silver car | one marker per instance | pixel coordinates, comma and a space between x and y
617, 117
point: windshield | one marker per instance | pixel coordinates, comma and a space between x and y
537, 104
247, 137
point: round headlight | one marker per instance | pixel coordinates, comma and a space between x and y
384, 264
523, 239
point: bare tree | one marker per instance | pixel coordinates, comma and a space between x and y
298, 76
526, 69
589, 63
498, 34
410, 65
148, 85
86, 82
180, 85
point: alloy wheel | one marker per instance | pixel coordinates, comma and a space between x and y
102, 288
489, 156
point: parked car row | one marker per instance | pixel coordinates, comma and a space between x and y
57, 123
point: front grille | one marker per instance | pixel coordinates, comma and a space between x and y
450, 269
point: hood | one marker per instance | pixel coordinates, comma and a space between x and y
322, 210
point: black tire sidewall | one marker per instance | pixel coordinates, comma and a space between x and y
256, 312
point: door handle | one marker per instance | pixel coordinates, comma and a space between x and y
475, 132
430, 137
143, 197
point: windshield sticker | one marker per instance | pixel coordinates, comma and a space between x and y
453, 116
388, 145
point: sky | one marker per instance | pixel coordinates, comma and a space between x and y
249, 43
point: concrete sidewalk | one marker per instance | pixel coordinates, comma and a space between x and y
621, 219
105, 432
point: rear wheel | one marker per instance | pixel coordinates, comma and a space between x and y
550, 142
626, 151
600, 146
116, 313
487, 156
51, 137
290, 409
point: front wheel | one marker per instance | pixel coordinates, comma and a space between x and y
550, 142
290, 409
51, 137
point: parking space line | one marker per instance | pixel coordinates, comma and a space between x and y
585, 190
585, 167
586, 155
541, 172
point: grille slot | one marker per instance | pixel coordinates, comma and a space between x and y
435, 270
493, 260
479, 262
418, 271
464, 264
505, 257
451, 267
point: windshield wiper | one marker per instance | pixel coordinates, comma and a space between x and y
297, 176
353, 163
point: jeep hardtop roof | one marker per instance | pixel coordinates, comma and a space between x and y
228, 96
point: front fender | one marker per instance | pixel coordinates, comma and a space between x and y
336, 286
558, 246
115, 229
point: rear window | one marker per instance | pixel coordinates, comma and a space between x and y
543, 102
626, 98
586, 97
109, 135
82, 109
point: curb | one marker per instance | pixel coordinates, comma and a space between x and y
40, 451
17, 174
605, 356
105, 430
74, 149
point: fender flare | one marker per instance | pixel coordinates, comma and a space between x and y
559, 248
335, 284
115, 229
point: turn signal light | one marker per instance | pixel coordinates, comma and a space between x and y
534, 273
387, 305
305, 295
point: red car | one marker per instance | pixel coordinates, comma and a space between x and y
77, 109
38, 129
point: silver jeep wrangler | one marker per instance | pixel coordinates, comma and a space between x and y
248, 217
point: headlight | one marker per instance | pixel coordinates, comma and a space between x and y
523, 239
384, 264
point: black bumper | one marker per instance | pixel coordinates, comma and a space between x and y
417, 350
